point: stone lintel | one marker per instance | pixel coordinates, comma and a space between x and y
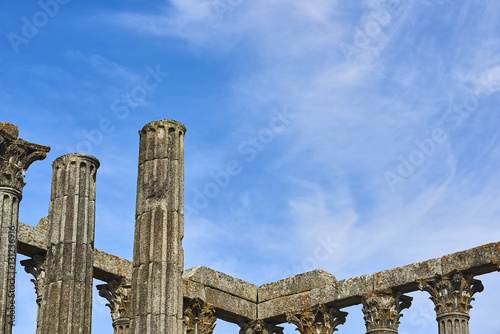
478, 260
228, 307
406, 278
236, 300
223, 282
32, 240
296, 284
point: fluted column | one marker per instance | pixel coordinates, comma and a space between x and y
452, 297
16, 155
156, 305
36, 267
199, 317
117, 293
382, 310
67, 306
319, 320
259, 326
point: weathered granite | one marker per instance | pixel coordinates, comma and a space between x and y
295, 284
452, 297
220, 281
406, 278
478, 260
67, 303
382, 311
16, 155
162, 299
117, 293
319, 319
158, 260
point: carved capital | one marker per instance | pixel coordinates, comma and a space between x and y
16, 155
199, 317
382, 310
259, 326
452, 293
117, 293
36, 267
318, 320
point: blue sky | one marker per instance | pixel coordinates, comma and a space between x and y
360, 136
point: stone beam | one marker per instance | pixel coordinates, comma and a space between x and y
236, 301
32, 240
476, 261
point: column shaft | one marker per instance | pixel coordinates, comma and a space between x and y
67, 306
156, 305
16, 155
9, 202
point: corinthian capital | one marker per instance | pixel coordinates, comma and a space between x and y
117, 293
382, 310
318, 320
199, 317
259, 326
36, 267
16, 155
452, 293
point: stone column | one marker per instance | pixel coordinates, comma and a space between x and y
67, 306
260, 326
199, 317
36, 267
117, 292
16, 155
452, 296
382, 310
319, 320
156, 305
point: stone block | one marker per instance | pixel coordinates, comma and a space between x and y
278, 307
476, 260
407, 275
217, 280
354, 287
230, 308
295, 284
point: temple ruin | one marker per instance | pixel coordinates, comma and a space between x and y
154, 294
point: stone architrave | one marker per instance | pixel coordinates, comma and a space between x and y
36, 267
382, 311
259, 326
67, 305
319, 320
199, 317
158, 260
16, 155
452, 297
117, 293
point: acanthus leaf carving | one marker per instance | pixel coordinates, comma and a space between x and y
318, 320
259, 326
199, 317
16, 155
452, 293
117, 293
382, 309
36, 267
